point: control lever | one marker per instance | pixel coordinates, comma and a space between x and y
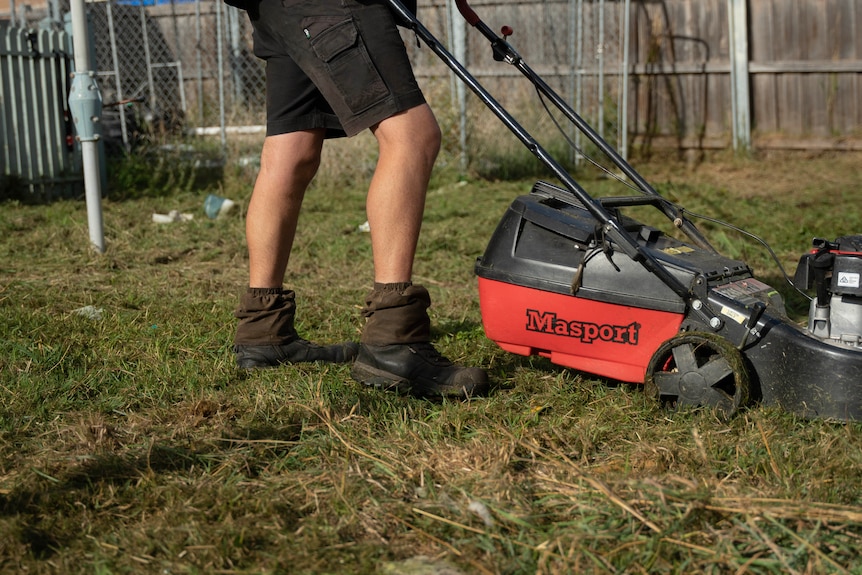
750, 324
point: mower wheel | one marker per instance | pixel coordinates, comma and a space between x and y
698, 370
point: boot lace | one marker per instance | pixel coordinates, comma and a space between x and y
430, 354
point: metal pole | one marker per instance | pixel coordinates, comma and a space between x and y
573, 70
116, 59
219, 49
600, 54
180, 79
235, 60
54, 11
198, 62
179, 49
453, 79
85, 103
459, 47
148, 60
624, 113
580, 77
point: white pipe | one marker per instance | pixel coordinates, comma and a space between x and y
89, 151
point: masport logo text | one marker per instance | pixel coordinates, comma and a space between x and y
585, 331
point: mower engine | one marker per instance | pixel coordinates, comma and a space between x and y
834, 271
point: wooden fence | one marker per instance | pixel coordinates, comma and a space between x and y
805, 72
804, 66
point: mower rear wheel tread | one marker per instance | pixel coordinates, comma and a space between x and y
698, 370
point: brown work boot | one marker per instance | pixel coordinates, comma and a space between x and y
416, 369
396, 353
265, 336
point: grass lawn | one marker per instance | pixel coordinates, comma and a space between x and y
129, 442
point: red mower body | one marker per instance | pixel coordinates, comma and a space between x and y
608, 340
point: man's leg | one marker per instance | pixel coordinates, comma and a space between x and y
265, 334
396, 351
288, 163
409, 143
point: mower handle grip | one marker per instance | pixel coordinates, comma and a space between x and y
628, 201
469, 15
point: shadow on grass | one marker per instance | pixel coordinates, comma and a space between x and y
117, 469
40, 512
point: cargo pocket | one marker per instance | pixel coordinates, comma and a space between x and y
341, 48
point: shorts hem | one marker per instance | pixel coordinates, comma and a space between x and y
388, 107
315, 121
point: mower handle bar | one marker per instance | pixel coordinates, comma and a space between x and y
610, 226
469, 15
504, 52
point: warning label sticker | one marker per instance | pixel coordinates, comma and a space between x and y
848, 280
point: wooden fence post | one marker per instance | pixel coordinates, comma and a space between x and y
740, 99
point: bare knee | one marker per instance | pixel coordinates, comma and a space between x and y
305, 165
414, 131
433, 141
291, 158
429, 135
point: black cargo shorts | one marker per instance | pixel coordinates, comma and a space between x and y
334, 64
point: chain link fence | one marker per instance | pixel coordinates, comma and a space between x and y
175, 65
170, 66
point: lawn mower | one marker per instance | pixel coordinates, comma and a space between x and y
572, 278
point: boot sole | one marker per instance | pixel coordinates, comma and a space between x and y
380, 379
266, 357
